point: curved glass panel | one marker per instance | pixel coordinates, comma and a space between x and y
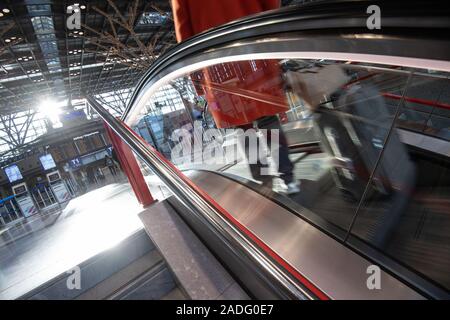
410, 221
311, 135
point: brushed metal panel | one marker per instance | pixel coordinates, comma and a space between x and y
335, 269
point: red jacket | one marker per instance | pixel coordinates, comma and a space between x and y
195, 16
237, 92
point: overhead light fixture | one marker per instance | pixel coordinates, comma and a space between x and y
6, 10
25, 58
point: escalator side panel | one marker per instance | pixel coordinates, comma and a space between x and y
335, 269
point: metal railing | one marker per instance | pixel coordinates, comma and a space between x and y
209, 212
9, 211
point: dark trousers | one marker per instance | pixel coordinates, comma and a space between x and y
285, 166
112, 169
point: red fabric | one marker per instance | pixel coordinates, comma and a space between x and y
195, 16
255, 77
239, 93
131, 168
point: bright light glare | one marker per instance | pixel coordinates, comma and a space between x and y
49, 108
52, 109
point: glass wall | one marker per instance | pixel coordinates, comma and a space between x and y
362, 148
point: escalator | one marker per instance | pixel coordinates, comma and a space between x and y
366, 121
141, 273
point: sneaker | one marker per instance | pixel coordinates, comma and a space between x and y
290, 188
293, 187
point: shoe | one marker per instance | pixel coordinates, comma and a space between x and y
293, 187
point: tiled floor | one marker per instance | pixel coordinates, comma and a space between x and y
88, 225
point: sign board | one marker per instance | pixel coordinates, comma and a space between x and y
47, 161
60, 191
58, 186
13, 173
26, 205
19, 189
24, 200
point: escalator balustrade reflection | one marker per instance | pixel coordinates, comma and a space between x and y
339, 131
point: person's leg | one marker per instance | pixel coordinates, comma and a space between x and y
252, 154
399, 201
257, 167
285, 166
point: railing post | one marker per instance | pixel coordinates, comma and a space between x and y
131, 168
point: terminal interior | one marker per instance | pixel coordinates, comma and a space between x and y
351, 169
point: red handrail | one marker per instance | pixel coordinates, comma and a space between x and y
430, 103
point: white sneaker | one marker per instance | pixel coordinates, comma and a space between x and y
293, 187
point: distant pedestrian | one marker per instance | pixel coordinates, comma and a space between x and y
109, 162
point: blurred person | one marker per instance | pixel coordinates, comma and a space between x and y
227, 109
197, 110
100, 177
90, 173
109, 162
355, 144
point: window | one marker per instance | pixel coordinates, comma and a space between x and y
149, 18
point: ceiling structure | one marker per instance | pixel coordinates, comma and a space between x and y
46, 53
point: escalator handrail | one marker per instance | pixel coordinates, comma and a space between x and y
337, 16
434, 104
291, 283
